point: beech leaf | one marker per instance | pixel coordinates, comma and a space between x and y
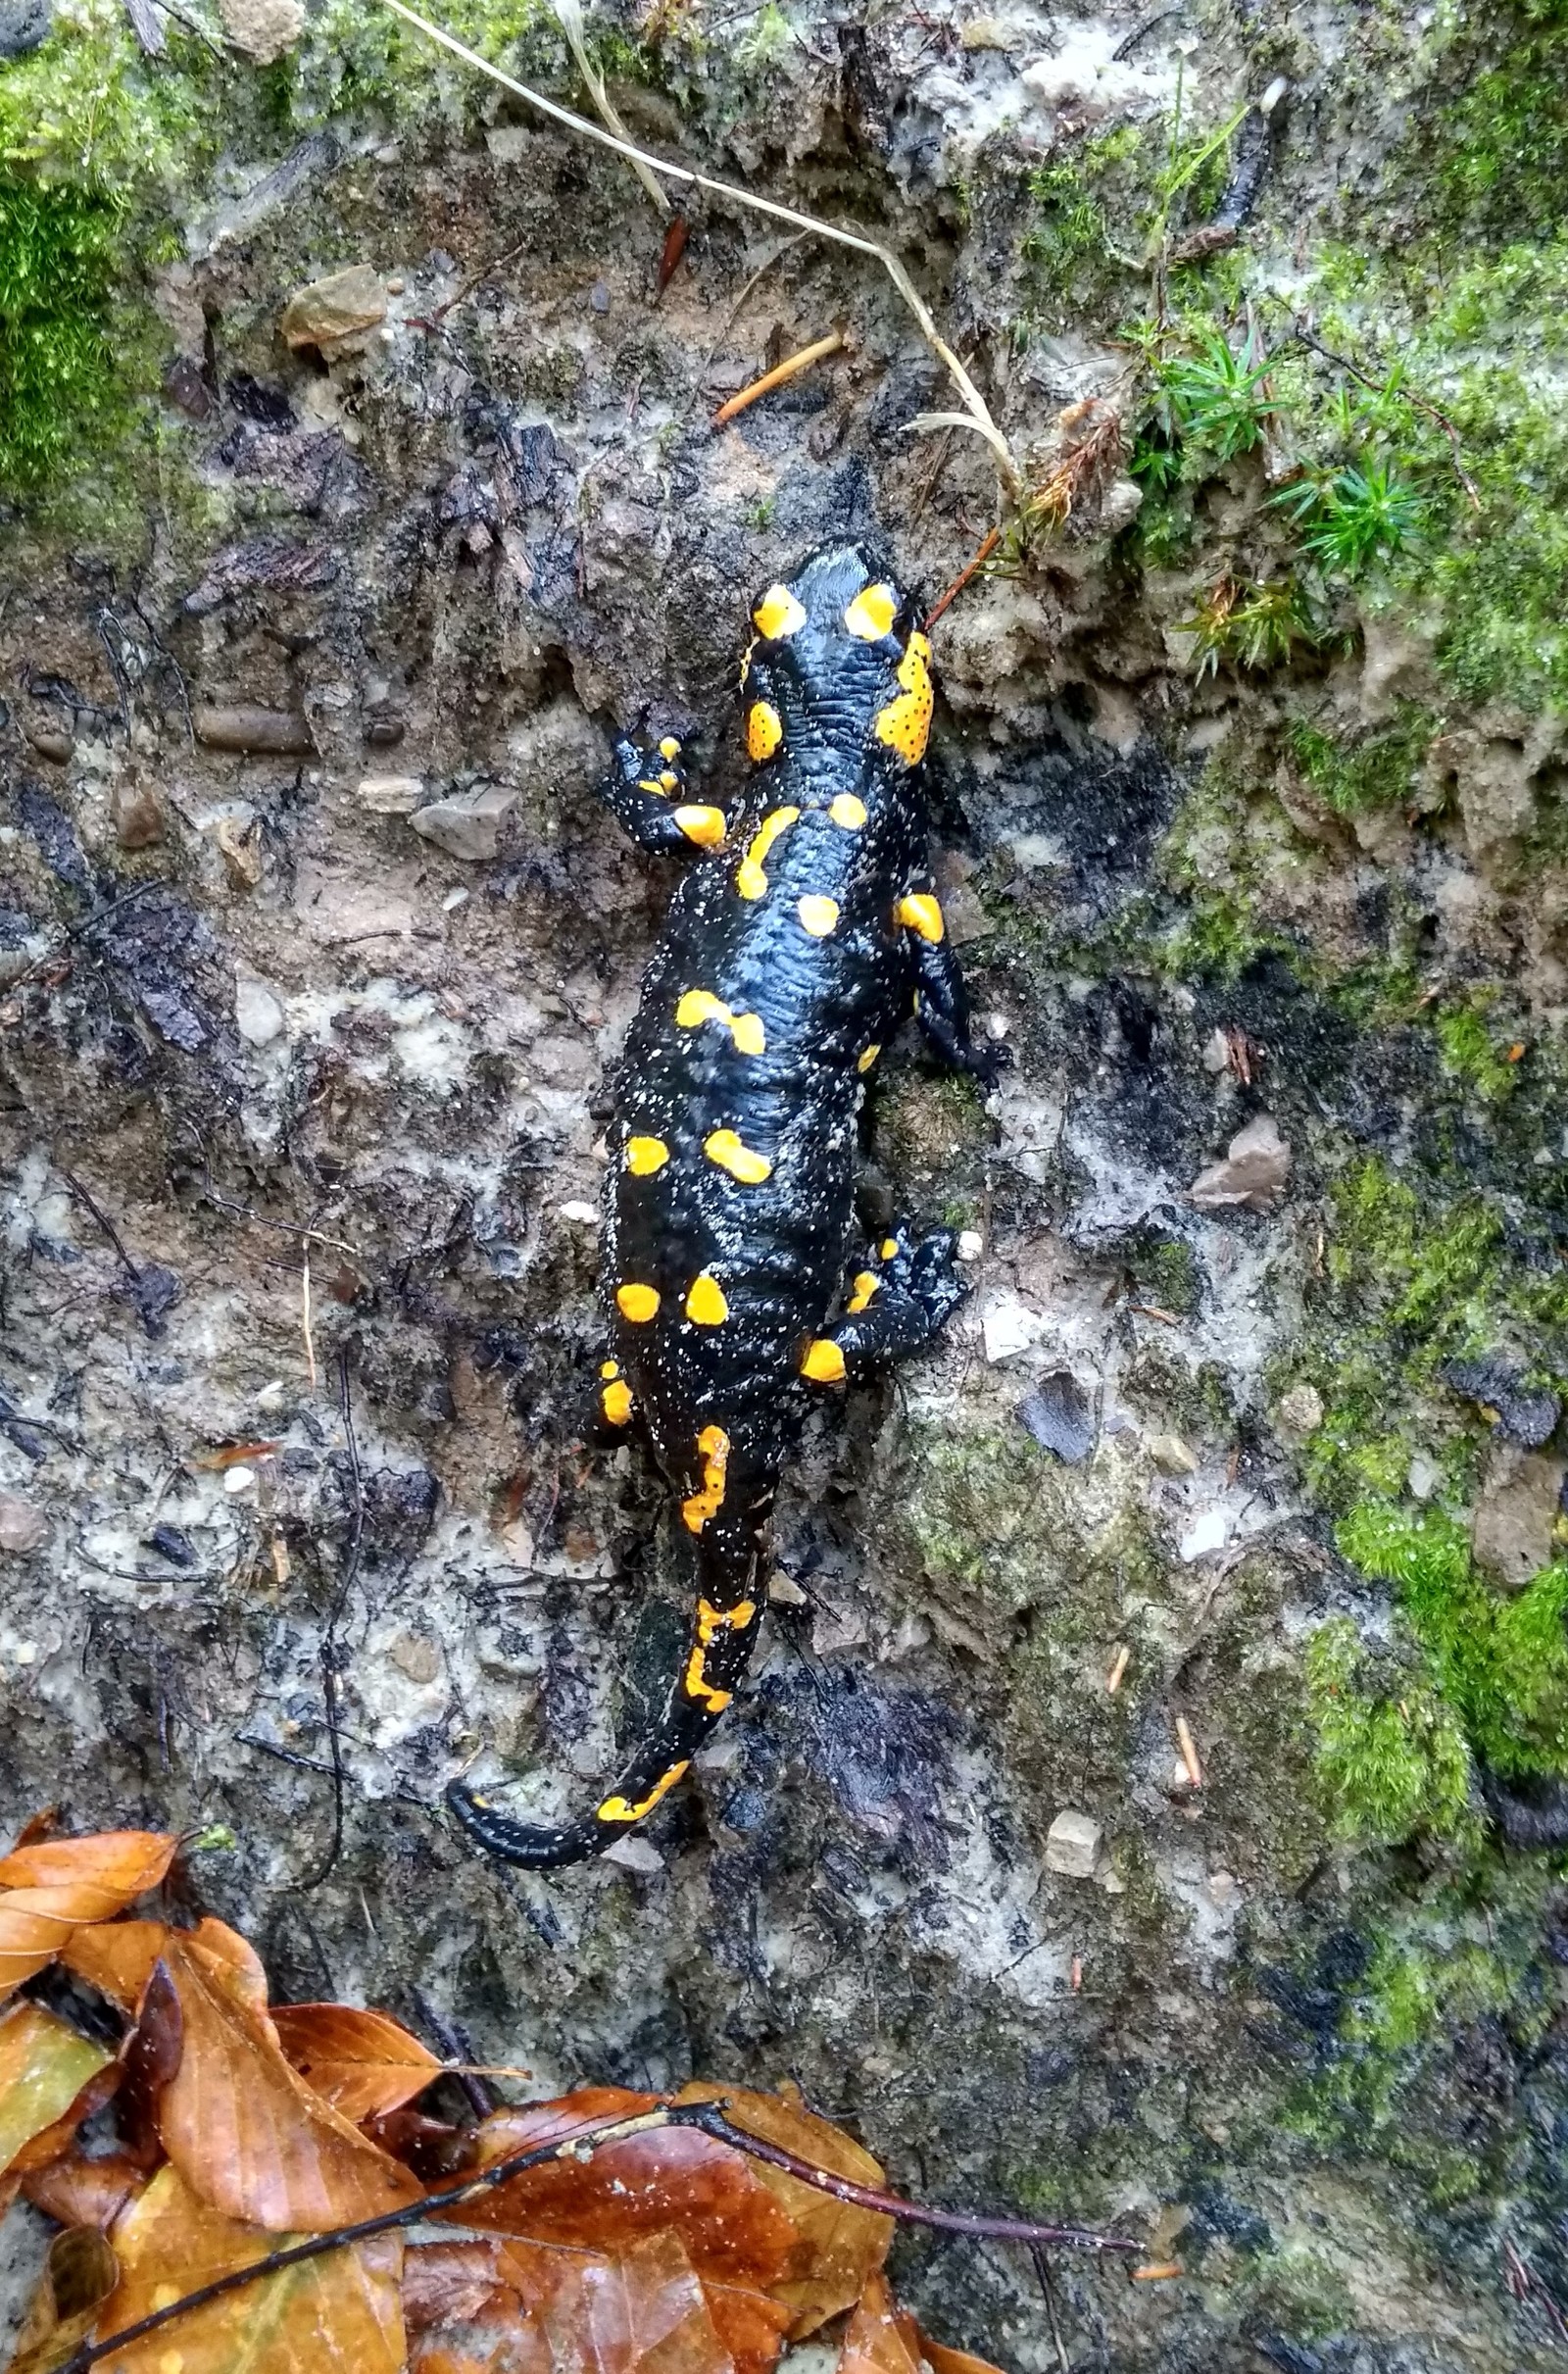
80, 2273
246, 2132
733, 2227
837, 2245
44, 2066
878, 2340
78, 2190
361, 2061
554, 2311
337, 2314
55, 1886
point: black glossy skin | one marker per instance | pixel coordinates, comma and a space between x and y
788, 1080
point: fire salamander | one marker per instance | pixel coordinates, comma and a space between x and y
805, 930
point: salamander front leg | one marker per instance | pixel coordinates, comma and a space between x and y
645, 792
895, 1305
940, 999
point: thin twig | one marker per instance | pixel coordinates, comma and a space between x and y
311, 1236
780, 375
305, 1312
979, 414
706, 2117
1043, 2270
987, 546
570, 15
105, 1223
756, 280
709, 2118
329, 1648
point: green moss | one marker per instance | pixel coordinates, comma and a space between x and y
1295, 2291
1376, 770
1392, 1760
59, 391
1471, 1053
1502, 1663
1503, 145
1071, 263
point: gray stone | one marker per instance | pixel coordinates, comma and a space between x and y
1251, 1176
257, 1016
467, 825
1298, 1413
1060, 1415
23, 1527
23, 25
1516, 1513
1072, 1846
390, 795
265, 29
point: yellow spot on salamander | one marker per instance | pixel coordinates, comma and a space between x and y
703, 825
823, 1363
616, 1402
712, 1622
847, 811
639, 1304
645, 1156
698, 1506
725, 1149
779, 613
868, 1057
705, 1305
871, 614
861, 1290
750, 881
764, 730
617, 1809
653, 783
609, 1367
817, 916
668, 780
700, 1006
921, 913
888, 1250
669, 748
906, 723
699, 1686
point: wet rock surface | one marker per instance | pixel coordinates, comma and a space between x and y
1050, 1847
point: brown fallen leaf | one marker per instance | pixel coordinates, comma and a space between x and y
637, 2311
44, 2068
839, 2245
337, 2314
117, 1958
938, 2357
150, 2056
80, 2273
877, 2341
733, 2228
246, 2132
57, 1885
455, 2283
359, 2062
77, 2190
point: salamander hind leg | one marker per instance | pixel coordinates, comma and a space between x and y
897, 1305
646, 793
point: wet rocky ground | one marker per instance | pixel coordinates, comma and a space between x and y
1146, 1807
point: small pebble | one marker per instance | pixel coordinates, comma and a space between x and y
586, 1215
634, 1854
240, 1479
1300, 1413
26, 1653
1072, 1845
23, 1527
453, 901
391, 795
996, 1025
971, 1245
1170, 1452
270, 1394
1207, 1533
1424, 1477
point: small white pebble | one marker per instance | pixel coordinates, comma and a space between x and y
240, 1479
996, 1025
585, 1213
394, 288
272, 1394
1273, 95
1207, 1533
26, 1653
971, 1245
453, 901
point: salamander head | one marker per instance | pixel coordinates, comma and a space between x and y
837, 656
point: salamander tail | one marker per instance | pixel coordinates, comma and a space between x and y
718, 1649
